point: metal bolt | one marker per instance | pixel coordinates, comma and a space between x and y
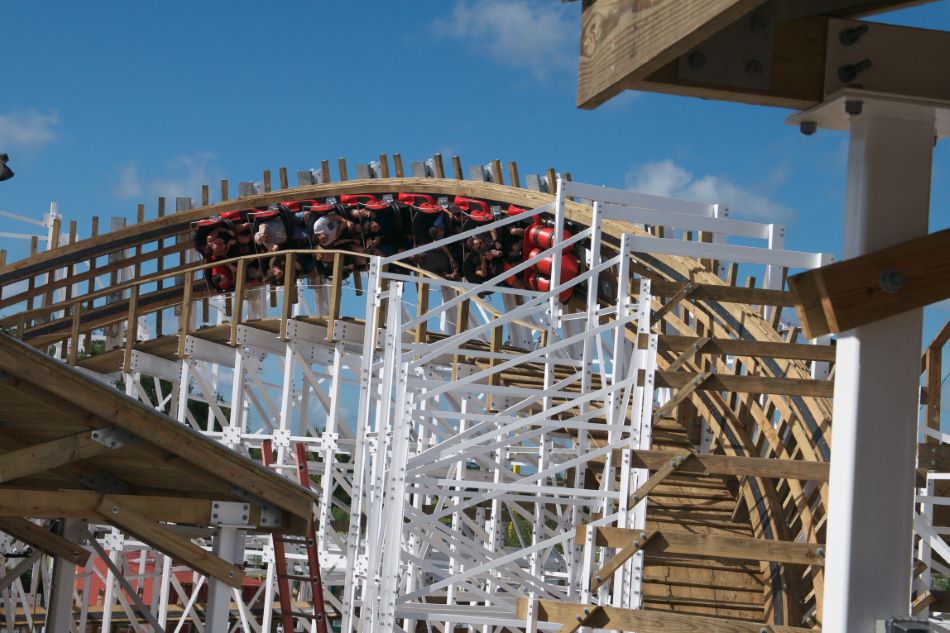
891, 280
597, 578
808, 127
115, 509
754, 67
230, 573
112, 444
821, 552
853, 107
643, 534
758, 22
850, 37
696, 60
850, 72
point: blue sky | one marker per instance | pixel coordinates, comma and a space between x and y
104, 105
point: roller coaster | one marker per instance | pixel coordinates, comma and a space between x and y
518, 409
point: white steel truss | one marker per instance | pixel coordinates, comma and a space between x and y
452, 467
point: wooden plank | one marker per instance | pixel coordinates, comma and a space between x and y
705, 464
627, 40
237, 308
636, 540
645, 621
48, 455
685, 291
712, 546
42, 539
51, 504
284, 182
733, 347
113, 511
131, 329
749, 384
67, 385
875, 286
513, 177
336, 289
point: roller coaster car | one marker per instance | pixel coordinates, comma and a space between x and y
217, 249
221, 277
356, 199
279, 218
514, 210
538, 277
475, 211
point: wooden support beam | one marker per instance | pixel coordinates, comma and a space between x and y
289, 290
734, 347
83, 504
42, 539
48, 455
657, 478
749, 384
131, 329
237, 307
70, 388
865, 289
586, 615
625, 41
685, 291
705, 464
681, 394
638, 540
713, 546
643, 621
113, 511
336, 289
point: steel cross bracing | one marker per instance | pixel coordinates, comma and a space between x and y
453, 468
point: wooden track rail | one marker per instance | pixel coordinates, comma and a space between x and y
769, 419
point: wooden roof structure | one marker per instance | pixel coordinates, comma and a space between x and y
785, 53
75, 447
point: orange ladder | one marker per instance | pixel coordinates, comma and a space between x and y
312, 573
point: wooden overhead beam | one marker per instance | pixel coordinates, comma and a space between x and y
748, 384
624, 40
785, 54
864, 289
42, 457
642, 621
44, 540
69, 385
704, 464
113, 511
688, 544
51, 504
733, 347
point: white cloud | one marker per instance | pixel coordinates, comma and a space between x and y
666, 178
28, 129
184, 177
539, 35
127, 184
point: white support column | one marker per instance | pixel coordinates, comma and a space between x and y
228, 545
60, 614
871, 502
